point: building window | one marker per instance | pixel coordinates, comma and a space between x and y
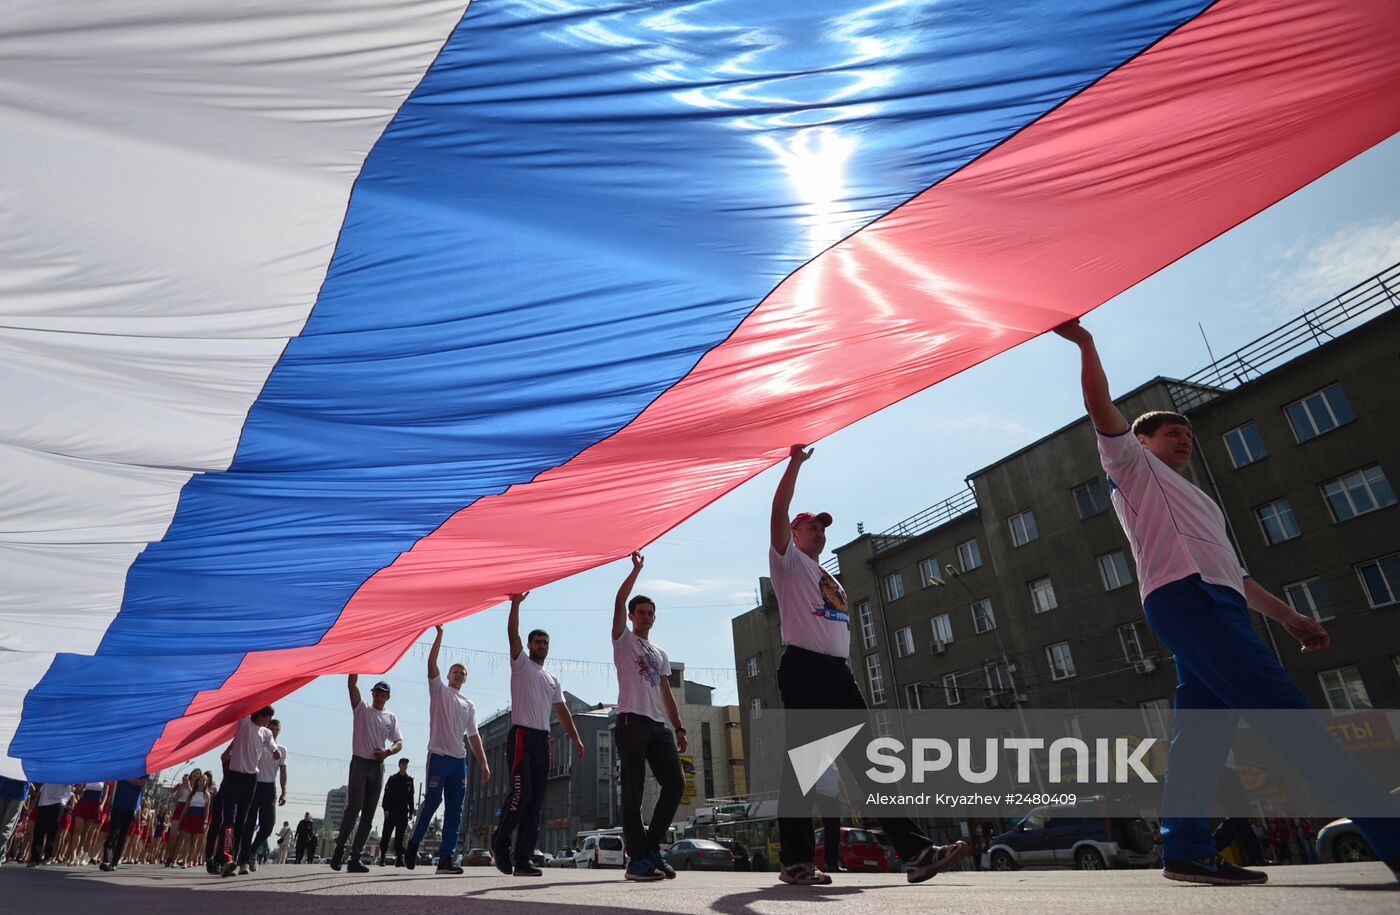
998, 677
1358, 493
894, 586
1308, 597
983, 620
1381, 579
951, 694
1320, 412
942, 628
928, 572
969, 556
1154, 717
1042, 595
1091, 498
1113, 569
755, 708
1023, 529
1130, 637
1245, 445
1061, 661
877, 680
904, 642
752, 666
1277, 522
911, 696
1344, 690
867, 624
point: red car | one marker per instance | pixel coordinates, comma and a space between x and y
860, 850
477, 857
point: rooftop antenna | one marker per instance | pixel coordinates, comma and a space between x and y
1210, 352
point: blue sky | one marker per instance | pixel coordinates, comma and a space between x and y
1330, 235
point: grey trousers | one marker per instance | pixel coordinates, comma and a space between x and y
9, 816
361, 800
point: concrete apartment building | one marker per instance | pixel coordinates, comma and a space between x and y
1298, 439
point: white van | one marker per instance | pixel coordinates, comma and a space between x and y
601, 851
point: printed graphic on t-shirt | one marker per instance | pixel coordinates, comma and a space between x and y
648, 663
833, 600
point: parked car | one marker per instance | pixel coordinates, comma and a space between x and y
737, 849
542, 859
1340, 840
860, 850
892, 859
564, 858
700, 854
601, 851
476, 857
1078, 835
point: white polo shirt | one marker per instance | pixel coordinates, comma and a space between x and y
533, 692
249, 743
269, 763
450, 717
373, 729
1174, 528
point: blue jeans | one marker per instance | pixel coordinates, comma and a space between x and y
447, 775
1221, 663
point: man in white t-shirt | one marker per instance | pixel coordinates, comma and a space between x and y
1197, 597
451, 717
644, 705
266, 798
815, 674
284, 842
234, 807
374, 726
48, 811
534, 692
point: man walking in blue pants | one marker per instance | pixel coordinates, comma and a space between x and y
451, 717
1197, 599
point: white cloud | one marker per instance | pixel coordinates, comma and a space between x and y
665, 586
1314, 269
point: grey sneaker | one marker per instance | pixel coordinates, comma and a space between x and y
933, 859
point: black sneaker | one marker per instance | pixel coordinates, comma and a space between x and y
337, 858
104, 866
356, 866
500, 855
447, 867
410, 860
527, 870
1213, 870
931, 860
253, 866
229, 869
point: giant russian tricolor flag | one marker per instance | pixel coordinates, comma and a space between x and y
327, 320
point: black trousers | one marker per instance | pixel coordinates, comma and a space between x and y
306, 849
520, 815
808, 680
118, 828
265, 810
395, 826
45, 831
643, 742
233, 807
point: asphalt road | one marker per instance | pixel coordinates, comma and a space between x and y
316, 890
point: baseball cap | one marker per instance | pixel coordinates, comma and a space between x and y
823, 518
381, 687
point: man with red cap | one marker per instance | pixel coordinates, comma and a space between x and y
814, 674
